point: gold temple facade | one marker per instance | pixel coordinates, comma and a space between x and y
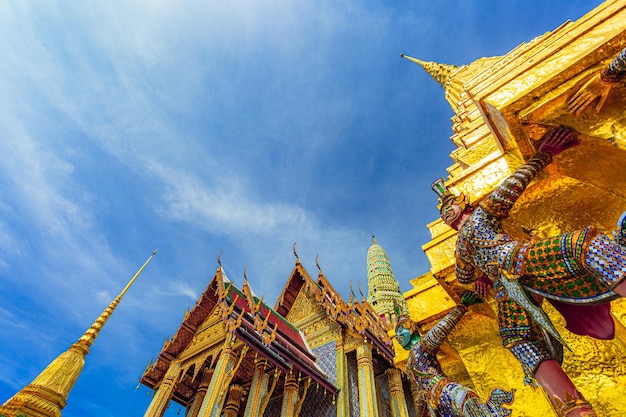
502, 106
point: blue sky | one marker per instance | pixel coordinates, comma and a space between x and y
204, 126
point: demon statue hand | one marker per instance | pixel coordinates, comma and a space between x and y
598, 86
439, 395
579, 272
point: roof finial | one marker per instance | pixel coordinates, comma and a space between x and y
440, 72
448, 76
317, 263
374, 240
245, 277
359, 287
219, 261
294, 251
90, 335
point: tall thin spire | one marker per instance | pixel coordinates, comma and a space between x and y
446, 75
383, 288
47, 394
440, 72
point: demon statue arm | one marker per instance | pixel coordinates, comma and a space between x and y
465, 271
438, 393
432, 341
598, 86
499, 203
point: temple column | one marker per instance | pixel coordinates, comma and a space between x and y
161, 399
396, 393
235, 394
223, 374
200, 393
367, 388
290, 395
343, 397
420, 406
258, 388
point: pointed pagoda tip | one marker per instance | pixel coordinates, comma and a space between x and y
154, 251
374, 239
415, 60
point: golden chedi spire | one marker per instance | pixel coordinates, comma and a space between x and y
47, 395
383, 288
446, 75
442, 73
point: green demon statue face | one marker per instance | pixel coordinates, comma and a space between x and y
406, 332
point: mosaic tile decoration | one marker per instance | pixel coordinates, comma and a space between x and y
353, 385
382, 394
327, 359
318, 403
274, 407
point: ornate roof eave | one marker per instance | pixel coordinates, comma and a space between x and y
359, 318
298, 278
216, 289
287, 347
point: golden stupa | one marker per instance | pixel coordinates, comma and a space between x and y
502, 106
47, 394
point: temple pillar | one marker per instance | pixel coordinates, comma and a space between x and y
223, 374
367, 389
200, 393
235, 394
420, 406
258, 388
396, 393
290, 395
161, 399
343, 398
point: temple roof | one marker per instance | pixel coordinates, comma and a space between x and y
252, 321
265, 330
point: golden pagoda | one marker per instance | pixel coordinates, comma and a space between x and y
502, 106
47, 395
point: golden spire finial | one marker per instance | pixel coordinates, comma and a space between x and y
374, 240
86, 340
440, 72
219, 261
295, 253
446, 75
359, 287
48, 392
352, 296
